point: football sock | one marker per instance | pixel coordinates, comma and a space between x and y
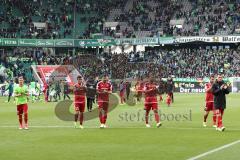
214, 118
219, 118
81, 118
205, 117
26, 118
20, 119
146, 117
105, 118
100, 116
157, 117
76, 117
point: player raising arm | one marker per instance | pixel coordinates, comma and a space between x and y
79, 101
21, 94
151, 103
104, 88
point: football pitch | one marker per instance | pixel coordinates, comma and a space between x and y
181, 136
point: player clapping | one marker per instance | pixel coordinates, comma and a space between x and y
151, 102
104, 88
220, 89
21, 94
79, 101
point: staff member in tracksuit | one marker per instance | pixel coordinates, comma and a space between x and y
170, 88
220, 89
91, 93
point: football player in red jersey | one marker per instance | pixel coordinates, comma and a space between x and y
151, 102
104, 88
209, 102
79, 101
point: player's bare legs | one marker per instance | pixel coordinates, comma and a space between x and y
76, 118
147, 117
103, 115
101, 118
81, 117
205, 118
26, 120
20, 121
214, 118
105, 112
157, 118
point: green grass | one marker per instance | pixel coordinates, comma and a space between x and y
124, 139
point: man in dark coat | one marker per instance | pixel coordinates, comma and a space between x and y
220, 89
128, 88
91, 93
170, 88
161, 89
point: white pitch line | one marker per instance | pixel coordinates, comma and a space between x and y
59, 126
214, 150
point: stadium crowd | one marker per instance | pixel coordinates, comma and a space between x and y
181, 63
136, 18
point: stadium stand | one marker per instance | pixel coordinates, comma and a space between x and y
48, 19
117, 18
182, 63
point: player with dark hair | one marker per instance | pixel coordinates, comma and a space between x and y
170, 88
151, 102
128, 88
161, 89
21, 94
122, 89
104, 88
209, 102
91, 93
220, 89
79, 101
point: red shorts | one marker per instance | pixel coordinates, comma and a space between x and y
22, 108
121, 93
79, 107
168, 101
103, 105
209, 106
151, 103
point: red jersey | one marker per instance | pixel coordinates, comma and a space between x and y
150, 90
79, 93
101, 87
209, 94
139, 88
